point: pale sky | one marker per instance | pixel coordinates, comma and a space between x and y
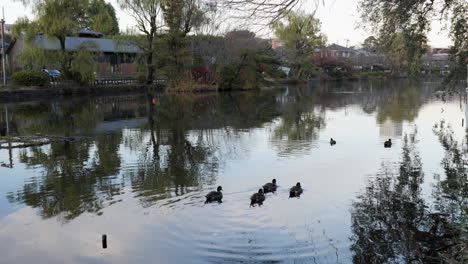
339, 21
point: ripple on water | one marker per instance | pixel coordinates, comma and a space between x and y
233, 232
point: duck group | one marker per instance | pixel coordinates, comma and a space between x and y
259, 196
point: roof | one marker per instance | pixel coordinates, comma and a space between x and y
90, 32
75, 43
339, 48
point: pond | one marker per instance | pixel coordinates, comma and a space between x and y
139, 167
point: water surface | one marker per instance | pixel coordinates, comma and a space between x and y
141, 165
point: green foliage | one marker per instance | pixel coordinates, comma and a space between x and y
178, 15
459, 33
147, 15
32, 57
83, 67
249, 71
371, 44
56, 20
300, 34
141, 79
102, 17
411, 21
30, 78
403, 51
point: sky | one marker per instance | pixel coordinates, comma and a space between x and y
339, 21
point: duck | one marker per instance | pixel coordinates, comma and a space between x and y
270, 187
215, 195
296, 190
332, 142
388, 143
258, 197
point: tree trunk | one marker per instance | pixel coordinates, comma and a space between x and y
66, 59
151, 69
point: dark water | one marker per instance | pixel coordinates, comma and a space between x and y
141, 165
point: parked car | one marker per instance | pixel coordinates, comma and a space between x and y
53, 74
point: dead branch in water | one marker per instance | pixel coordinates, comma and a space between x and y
30, 141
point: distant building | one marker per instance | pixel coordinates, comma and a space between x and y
276, 44
8, 28
112, 57
436, 60
337, 51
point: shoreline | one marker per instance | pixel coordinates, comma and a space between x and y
18, 94
32, 93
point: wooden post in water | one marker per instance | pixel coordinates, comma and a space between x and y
104, 241
6, 121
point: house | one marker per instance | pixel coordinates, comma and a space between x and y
438, 62
113, 57
337, 51
276, 43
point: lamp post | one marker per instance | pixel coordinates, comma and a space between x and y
3, 47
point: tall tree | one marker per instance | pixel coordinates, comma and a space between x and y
56, 20
180, 16
412, 19
300, 34
102, 17
371, 44
147, 15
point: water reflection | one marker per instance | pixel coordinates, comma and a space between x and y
179, 141
300, 121
392, 222
75, 179
151, 159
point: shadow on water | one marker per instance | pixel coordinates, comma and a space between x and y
391, 221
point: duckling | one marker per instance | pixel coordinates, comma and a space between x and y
295, 191
215, 195
258, 197
332, 142
270, 187
388, 143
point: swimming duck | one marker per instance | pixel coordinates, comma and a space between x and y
270, 187
332, 142
215, 195
296, 190
258, 197
388, 143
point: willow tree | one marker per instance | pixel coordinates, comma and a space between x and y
147, 15
102, 17
57, 20
300, 34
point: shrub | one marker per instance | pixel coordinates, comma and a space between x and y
30, 78
83, 67
141, 78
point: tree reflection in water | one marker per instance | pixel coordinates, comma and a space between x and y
74, 180
400, 104
391, 222
177, 148
301, 121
